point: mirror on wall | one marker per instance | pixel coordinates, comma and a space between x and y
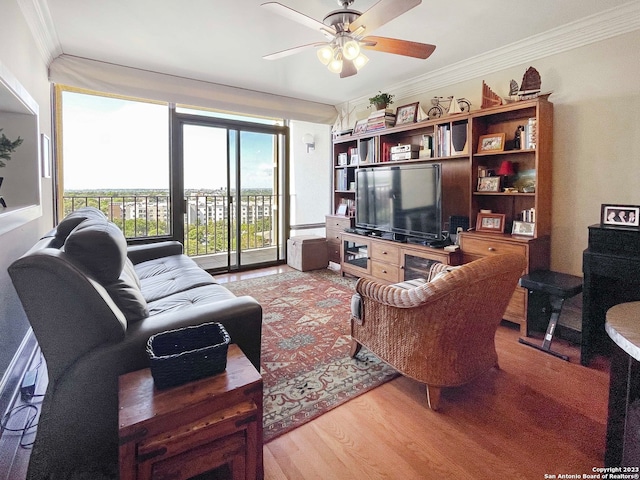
20, 187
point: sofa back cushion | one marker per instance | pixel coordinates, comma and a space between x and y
101, 249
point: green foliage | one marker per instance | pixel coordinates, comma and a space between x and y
381, 98
7, 147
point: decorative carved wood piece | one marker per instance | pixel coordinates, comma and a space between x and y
489, 98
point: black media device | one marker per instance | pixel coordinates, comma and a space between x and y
405, 200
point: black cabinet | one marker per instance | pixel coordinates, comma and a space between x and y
611, 267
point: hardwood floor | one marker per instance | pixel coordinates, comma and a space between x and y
536, 415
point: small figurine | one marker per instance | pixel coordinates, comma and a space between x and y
517, 138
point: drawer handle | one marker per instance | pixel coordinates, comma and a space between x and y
384, 271
384, 252
491, 249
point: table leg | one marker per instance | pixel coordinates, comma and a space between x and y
556, 308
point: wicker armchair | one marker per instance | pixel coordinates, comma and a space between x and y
440, 332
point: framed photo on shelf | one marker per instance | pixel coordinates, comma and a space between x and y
361, 127
342, 209
489, 184
525, 229
407, 113
491, 143
490, 222
626, 216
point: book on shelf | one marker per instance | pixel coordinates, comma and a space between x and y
443, 140
529, 137
426, 148
528, 215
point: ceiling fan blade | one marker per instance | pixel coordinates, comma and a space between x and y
296, 16
348, 68
382, 12
399, 47
291, 51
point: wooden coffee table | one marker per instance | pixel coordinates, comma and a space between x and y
193, 428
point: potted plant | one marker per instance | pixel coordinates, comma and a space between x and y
7, 147
381, 100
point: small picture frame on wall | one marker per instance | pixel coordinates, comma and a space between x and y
490, 222
491, 143
525, 229
489, 184
620, 216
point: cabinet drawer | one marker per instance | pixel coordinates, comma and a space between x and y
487, 246
385, 252
334, 235
385, 272
339, 223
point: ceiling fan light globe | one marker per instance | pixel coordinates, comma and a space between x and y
325, 54
335, 66
351, 50
360, 61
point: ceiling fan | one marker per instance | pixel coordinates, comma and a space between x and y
347, 30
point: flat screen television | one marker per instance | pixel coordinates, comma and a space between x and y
401, 199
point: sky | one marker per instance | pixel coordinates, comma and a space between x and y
111, 143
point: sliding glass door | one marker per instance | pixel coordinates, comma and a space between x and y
231, 181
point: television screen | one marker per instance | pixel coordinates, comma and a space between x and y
405, 199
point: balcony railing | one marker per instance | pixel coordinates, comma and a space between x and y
210, 225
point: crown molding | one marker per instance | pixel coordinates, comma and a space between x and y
38, 18
591, 29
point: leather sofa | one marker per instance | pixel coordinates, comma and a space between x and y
93, 302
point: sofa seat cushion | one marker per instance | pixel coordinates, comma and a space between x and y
205, 295
172, 263
174, 281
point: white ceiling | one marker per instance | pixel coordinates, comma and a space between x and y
224, 41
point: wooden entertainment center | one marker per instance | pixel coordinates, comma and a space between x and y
522, 195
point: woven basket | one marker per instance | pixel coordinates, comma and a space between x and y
186, 354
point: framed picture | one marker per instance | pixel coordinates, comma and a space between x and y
361, 127
491, 143
45, 155
620, 216
526, 229
407, 113
490, 222
342, 209
489, 184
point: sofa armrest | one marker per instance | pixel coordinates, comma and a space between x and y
151, 251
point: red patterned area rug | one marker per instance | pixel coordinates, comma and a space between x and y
305, 366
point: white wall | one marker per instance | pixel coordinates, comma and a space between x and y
596, 154
20, 56
310, 176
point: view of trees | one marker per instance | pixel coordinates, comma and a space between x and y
200, 238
